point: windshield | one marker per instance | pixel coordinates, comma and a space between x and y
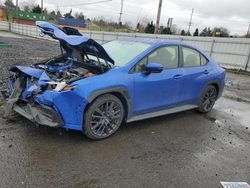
123, 52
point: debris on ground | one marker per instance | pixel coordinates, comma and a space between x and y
235, 185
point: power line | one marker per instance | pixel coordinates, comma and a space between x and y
90, 3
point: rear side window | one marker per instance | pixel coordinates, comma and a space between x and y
192, 58
204, 61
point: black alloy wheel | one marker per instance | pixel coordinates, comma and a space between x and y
104, 117
208, 99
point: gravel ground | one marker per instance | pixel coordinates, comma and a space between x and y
25, 51
186, 149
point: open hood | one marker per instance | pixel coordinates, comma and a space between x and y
71, 38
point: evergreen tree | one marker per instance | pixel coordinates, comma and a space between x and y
52, 14
183, 33
150, 28
166, 30
79, 16
209, 32
58, 13
204, 32
196, 33
37, 9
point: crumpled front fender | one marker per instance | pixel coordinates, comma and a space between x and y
68, 104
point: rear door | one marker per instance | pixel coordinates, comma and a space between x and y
196, 71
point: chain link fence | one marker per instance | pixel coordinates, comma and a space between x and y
228, 52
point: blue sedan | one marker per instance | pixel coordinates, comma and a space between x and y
94, 88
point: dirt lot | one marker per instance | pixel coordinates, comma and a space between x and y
181, 150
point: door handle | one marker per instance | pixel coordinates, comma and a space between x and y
177, 76
206, 72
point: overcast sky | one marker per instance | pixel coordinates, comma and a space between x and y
232, 14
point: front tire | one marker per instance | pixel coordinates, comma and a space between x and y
207, 99
103, 117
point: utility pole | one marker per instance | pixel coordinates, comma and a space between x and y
16, 4
121, 12
158, 18
248, 31
16, 9
190, 21
42, 9
170, 22
170, 25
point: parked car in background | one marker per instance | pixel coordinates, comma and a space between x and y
94, 88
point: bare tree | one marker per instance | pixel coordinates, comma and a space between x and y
144, 21
9, 7
79, 16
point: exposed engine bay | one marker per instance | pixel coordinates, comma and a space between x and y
61, 70
65, 69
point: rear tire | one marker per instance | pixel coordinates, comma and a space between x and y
103, 117
207, 99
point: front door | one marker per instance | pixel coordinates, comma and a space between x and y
158, 91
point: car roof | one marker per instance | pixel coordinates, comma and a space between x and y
151, 41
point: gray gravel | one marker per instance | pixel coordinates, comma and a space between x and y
24, 52
186, 149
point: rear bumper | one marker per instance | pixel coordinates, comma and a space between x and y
39, 114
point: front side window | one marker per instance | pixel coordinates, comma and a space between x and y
140, 67
192, 58
167, 56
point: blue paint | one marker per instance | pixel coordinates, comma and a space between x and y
71, 22
147, 92
90, 46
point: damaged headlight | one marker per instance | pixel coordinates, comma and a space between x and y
67, 88
61, 86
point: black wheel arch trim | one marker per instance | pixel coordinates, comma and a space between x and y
214, 82
121, 90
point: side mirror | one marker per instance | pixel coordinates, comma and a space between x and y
153, 68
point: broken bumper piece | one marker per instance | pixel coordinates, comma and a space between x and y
39, 114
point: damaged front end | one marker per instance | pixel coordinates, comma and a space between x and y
44, 92
24, 84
